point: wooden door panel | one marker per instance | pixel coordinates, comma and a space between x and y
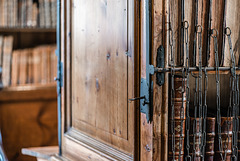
99, 66
99, 76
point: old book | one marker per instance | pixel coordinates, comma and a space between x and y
29, 13
210, 130
1, 13
15, 68
7, 55
34, 15
23, 67
53, 13
226, 135
30, 67
10, 14
15, 13
53, 64
195, 138
5, 13
44, 65
48, 67
177, 121
47, 13
23, 12
41, 13
1, 50
37, 69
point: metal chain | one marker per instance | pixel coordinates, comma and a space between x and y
204, 113
233, 98
182, 115
199, 32
186, 27
218, 93
195, 115
172, 64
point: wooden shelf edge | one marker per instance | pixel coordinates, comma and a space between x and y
28, 93
27, 29
41, 152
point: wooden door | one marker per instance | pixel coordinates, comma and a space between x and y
100, 72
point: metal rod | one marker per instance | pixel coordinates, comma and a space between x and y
58, 37
193, 69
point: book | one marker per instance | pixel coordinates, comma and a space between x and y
41, 13
1, 13
47, 13
30, 67
34, 14
1, 50
53, 64
23, 67
15, 68
195, 138
29, 13
226, 135
37, 70
7, 55
177, 121
210, 130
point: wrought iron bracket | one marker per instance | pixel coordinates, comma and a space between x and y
160, 64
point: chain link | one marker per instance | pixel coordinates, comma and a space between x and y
172, 64
187, 65
233, 102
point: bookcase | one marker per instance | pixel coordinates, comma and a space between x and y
28, 110
128, 69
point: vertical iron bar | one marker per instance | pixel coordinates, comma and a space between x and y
59, 75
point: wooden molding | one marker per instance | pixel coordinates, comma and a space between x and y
97, 146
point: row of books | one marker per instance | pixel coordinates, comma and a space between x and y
27, 66
28, 13
178, 150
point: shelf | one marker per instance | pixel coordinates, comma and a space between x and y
16, 29
29, 92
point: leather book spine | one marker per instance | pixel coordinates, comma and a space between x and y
195, 139
226, 135
210, 135
178, 120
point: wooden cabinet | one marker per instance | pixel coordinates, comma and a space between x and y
106, 49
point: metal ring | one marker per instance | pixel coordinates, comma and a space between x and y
186, 24
197, 29
226, 31
212, 33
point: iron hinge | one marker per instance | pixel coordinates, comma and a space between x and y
160, 64
59, 77
146, 87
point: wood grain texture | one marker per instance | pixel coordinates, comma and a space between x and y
217, 23
157, 29
101, 70
232, 21
41, 152
146, 147
26, 123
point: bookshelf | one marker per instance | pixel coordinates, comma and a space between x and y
28, 111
